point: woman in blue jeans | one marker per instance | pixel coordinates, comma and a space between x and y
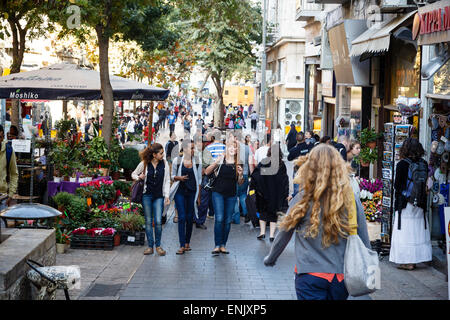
154, 170
187, 177
224, 194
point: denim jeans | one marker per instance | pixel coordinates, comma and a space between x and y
309, 287
296, 186
241, 196
184, 202
223, 210
153, 210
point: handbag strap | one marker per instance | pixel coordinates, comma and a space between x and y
352, 218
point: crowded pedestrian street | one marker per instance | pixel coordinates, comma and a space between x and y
225, 159
125, 274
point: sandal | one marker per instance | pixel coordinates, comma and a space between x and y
187, 248
180, 251
224, 251
216, 252
406, 267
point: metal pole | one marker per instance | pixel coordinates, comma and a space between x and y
262, 109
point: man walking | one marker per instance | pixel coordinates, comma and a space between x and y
301, 149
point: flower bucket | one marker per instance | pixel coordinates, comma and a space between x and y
73, 179
60, 248
57, 179
87, 179
364, 164
116, 239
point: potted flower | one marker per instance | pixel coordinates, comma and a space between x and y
62, 238
367, 156
369, 138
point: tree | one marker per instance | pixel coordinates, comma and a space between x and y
21, 20
140, 20
226, 32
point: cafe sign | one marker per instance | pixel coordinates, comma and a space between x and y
432, 23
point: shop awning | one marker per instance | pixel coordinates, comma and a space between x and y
377, 38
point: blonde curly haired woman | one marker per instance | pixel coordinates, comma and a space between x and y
318, 216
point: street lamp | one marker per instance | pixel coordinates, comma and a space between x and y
262, 109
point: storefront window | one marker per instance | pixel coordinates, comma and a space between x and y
405, 75
355, 119
442, 80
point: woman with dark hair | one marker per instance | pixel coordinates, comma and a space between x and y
187, 177
271, 183
411, 242
325, 139
154, 170
291, 139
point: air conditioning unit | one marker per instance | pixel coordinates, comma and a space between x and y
317, 40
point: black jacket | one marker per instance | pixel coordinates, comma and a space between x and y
271, 190
300, 149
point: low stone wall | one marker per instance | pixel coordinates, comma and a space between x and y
20, 245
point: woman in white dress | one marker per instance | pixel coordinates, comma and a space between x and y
411, 242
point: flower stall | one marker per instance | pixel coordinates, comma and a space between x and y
100, 215
371, 196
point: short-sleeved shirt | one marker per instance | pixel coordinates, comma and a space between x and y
171, 118
216, 149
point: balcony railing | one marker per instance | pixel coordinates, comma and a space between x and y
306, 10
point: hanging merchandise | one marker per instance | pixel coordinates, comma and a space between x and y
408, 106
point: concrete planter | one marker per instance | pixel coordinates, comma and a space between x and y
60, 248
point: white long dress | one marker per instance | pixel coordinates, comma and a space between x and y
412, 243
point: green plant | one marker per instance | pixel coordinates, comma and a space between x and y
96, 150
114, 152
368, 155
65, 128
368, 135
132, 222
62, 234
62, 199
129, 159
123, 186
77, 209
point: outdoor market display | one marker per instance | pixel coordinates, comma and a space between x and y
99, 215
394, 136
371, 196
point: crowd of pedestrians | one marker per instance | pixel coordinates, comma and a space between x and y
227, 176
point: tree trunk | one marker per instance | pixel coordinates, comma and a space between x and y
106, 88
18, 37
218, 111
65, 109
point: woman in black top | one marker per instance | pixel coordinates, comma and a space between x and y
187, 175
411, 242
271, 183
224, 193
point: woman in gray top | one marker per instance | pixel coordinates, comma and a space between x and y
318, 215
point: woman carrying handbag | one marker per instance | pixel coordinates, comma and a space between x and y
187, 177
319, 217
224, 193
154, 171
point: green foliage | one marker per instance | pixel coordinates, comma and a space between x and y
129, 158
368, 155
123, 186
77, 209
65, 128
97, 150
99, 195
368, 135
132, 222
66, 156
62, 199
103, 219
